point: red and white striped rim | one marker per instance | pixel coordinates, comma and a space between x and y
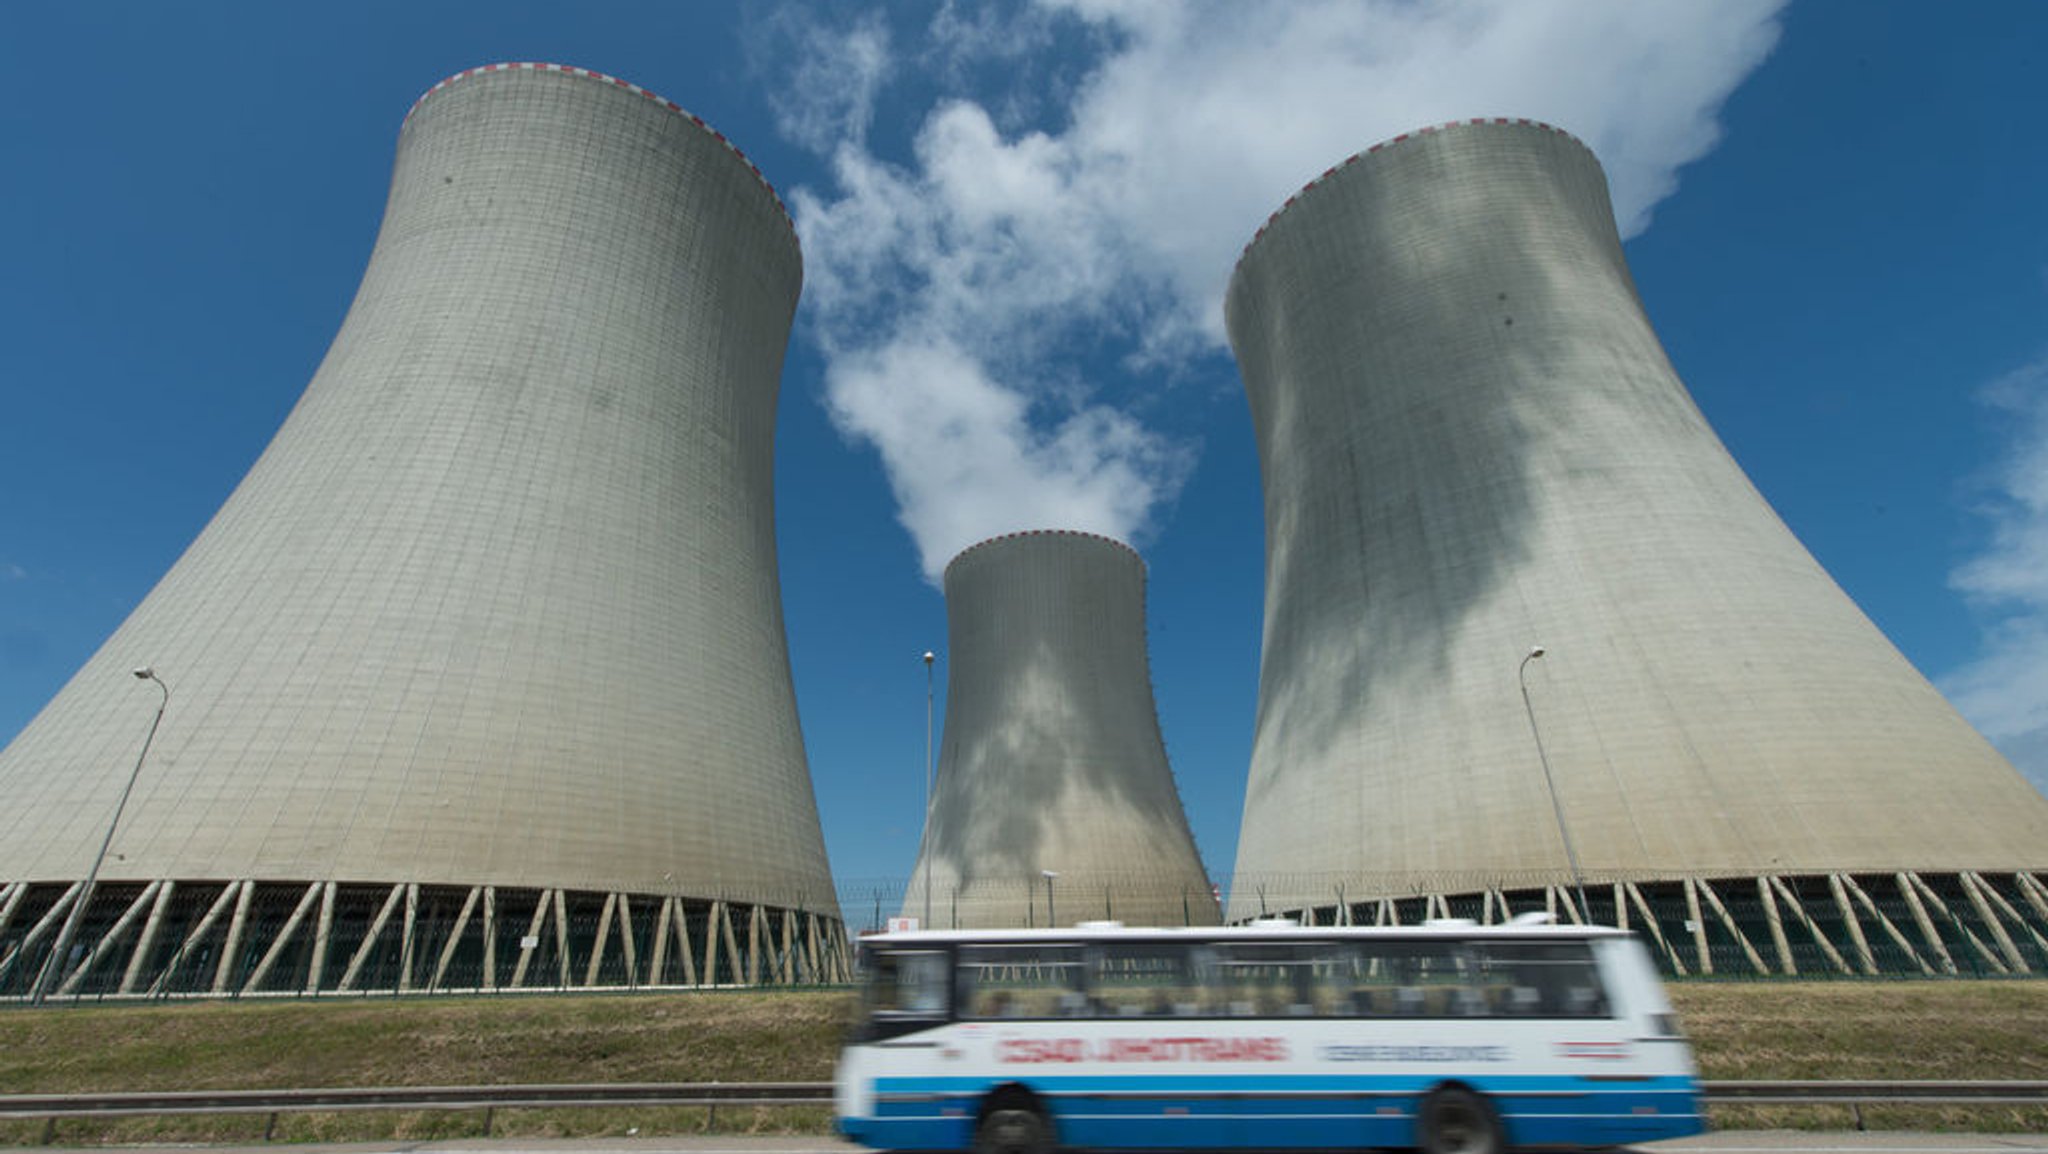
1418, 134
571, 70
1044, 533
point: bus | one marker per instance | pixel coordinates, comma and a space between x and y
1449, 1037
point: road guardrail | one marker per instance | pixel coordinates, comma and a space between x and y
716, 1094
1825, 1093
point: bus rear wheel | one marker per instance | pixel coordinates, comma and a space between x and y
1454, 1120
1013, 1124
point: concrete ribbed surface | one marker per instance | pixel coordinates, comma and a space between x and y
1052, 758
499, 604
1472, 443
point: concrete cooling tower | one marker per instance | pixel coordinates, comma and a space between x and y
1473, 447
1053, 802
478, 679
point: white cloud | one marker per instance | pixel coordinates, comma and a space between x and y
968, 459
962, 35
837, 74
9, 571
2004, 690
1111, 222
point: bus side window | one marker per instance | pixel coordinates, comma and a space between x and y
1544, 979
1149, 979
1412, 979
1307, 979
1031, 981
1333, 974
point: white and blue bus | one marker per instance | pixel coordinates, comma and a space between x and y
1450, 1037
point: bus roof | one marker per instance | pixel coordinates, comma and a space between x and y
1274, 930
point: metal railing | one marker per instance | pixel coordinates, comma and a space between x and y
489, 1099
716, 1094
414, 1098
1830, 1093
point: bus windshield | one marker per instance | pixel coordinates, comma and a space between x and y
905, 990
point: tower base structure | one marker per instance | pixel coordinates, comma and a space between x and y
1961, 923
242, 938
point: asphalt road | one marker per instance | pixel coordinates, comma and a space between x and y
1731, 1142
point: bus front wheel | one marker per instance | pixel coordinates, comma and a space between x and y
1013, 1124
1454, 1120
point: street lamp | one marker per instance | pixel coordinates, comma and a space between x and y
1048, 875
928, 658
54, 966
1563, 831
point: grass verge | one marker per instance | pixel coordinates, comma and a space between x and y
1845, 1030
1870, 1031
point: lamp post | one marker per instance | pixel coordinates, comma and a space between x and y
928, 658
1563, 831
1048, 875
54, 967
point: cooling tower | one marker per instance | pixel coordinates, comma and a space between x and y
1472, 446
1052, 761
478, 679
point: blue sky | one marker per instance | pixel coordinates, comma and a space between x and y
1017, 223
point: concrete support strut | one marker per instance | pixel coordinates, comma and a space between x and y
1966, 923
253, 939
